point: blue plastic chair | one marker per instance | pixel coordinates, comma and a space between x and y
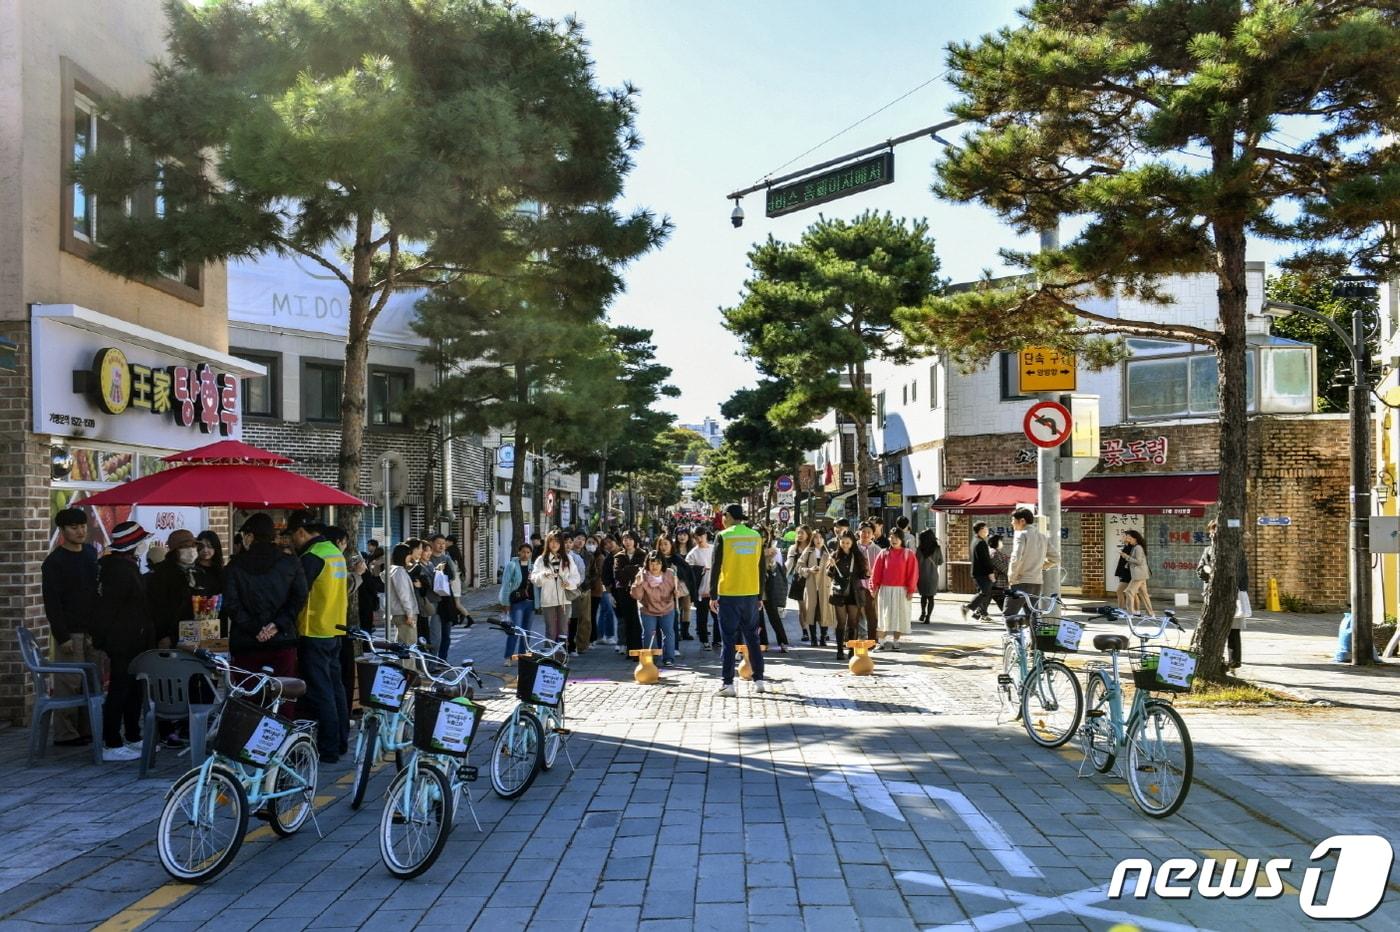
170, 678
45, 703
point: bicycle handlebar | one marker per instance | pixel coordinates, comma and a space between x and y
447, 674
534, 643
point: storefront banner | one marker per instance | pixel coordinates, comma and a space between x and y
293, 293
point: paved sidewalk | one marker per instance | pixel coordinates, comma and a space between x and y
888, 802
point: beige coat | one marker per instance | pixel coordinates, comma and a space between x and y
816, 608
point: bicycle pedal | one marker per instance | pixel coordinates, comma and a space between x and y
1094, 713
563, 731
1004, 679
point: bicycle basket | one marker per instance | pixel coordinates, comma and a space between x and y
1058, 636
1164, 670
383, 685
249, 734
444, 726
541, 681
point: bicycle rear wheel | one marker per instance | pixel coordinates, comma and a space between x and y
1051, 704
1099, 746
416, 821
517, 754
1009, 682
197, 840
302, 763
366, 756
553, 741
1160, 760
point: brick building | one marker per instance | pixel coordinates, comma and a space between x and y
100, 361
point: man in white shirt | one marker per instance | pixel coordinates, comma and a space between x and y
1030, 555
702, 555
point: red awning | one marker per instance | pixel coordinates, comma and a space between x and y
1132, 494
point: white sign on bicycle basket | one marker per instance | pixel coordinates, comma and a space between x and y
265, 741
456, 721
549, 684
1070, 633
389, 686
1175, 667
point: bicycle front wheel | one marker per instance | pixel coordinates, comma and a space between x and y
1009, 683
366, 756
1160, 760
553, 720
297, 777
416, 820
517, 755
1099, 744
198, 837
1051, 704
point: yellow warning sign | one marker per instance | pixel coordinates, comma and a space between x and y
1046, 369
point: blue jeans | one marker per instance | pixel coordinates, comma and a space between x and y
667, 633
521, 615
325, 696
607, 616
736, 619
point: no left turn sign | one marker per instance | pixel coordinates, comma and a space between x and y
1047, 424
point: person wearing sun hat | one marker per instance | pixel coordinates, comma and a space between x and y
123, 629
173, 583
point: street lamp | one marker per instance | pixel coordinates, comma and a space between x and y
1360, 405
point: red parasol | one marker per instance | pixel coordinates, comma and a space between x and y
229, 453
243, 486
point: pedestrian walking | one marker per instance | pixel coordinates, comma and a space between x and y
1031, 553
797, 580
737, 575
1205, 569
124, 630
264, 592
701, 558
930, 568
1135, 551
895, 579
581, 610
775, 596
371, 587
69, 582
1123, 575
655, 591
688, 576
1001, 569
447, 581
872, 549
321, 619
555, 577
877, 526
982, 572
516, 597
627, 563
604, 616
400, 598
810, 567
844, 585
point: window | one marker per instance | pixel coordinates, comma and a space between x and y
933, 386
880, 410
84, 132
1179, 386
387, 388
906, 395
1010, 378
914, 391
261, 394
320, 391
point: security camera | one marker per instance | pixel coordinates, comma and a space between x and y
737, 218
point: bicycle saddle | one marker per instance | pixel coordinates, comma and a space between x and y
292, 688
1110, 642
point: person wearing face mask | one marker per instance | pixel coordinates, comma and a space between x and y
172, 585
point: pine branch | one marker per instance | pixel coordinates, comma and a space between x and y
315, 257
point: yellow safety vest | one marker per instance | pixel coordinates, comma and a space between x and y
739, 569
329, 598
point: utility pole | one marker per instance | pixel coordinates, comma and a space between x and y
1047, 467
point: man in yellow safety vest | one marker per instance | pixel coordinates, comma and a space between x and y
736, 580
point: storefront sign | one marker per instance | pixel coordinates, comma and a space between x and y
1118, 452
1046, 369
190, 395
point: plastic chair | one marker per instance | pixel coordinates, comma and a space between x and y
40, 670
169, 677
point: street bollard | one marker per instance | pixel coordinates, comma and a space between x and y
745, 669
1273, 600
645, 671
861, 663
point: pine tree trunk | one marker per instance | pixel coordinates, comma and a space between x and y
862, 446
353, 379
631, 502
602, 501
517, 471
1219, 611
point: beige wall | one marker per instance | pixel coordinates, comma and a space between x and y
115, 41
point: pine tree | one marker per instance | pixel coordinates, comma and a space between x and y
1156, 123
387, 141
818, 311
761, 444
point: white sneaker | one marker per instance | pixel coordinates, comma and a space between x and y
759, 687
726, 692
120, 754
888, 645
610, 639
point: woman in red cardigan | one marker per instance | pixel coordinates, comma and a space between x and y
895, 579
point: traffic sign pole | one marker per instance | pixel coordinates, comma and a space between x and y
1049, 494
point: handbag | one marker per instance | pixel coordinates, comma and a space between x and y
441, 584
797, 587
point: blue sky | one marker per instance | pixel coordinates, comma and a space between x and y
731, 90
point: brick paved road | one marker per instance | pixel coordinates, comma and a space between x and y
888, 802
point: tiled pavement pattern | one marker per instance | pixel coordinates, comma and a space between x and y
890, 802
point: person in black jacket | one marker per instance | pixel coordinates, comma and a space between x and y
124, 629
627, 563
848, 571
264, 591
70, 605
983, 572
172, 585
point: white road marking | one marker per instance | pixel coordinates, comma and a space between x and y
1028, 906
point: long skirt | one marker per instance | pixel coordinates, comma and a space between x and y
894, 610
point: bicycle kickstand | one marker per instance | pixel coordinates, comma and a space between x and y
471, 807
310, 795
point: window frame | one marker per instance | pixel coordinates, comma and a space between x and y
934, 377
370, 372
1008, 372
76, 83
273, 362
1252, 388
307, 364
881, 412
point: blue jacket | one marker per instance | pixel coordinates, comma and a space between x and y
511, 578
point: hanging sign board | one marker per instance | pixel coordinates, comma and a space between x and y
852, 178
1046, 369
